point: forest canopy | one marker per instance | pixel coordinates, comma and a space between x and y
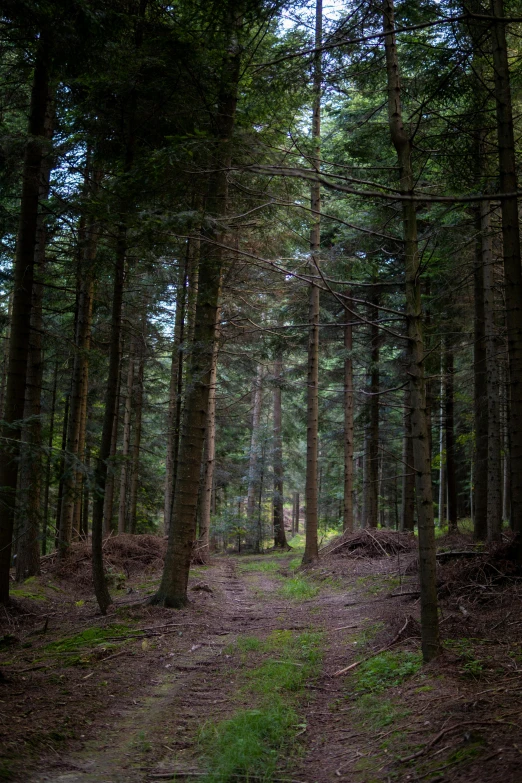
260, 272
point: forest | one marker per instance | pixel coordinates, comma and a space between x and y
260, 361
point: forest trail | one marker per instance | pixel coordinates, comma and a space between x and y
262, 635
156, 733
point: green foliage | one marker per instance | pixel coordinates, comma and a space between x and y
386, 670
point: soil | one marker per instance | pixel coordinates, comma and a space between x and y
125, 701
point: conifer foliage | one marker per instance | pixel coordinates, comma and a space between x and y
256, 252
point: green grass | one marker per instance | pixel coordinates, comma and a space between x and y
77, 647
263, 566
472, 666
375, 713
377, 584
385, 671
249, 745
367, 634
30, 588
298, 589
297, 662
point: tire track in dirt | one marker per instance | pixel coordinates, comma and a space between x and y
157, 732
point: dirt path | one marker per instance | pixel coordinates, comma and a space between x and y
136, 714
184, 688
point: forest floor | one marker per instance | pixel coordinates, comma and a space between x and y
244, 684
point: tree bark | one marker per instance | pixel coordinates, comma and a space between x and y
480, 483
348, 427
173, 588
126, 441
108, 500
278, 499
511, 251
49, 462
253, 478
493, 437
79, 389
111, 400
61, 468
427, 561
136, 445
209, 461
176, 376
371, 488
31, 462
408, 471
449, 420
442, 454
311, 552
10, 430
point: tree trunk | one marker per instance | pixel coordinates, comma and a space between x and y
278, 500
182, 533
111, 401
31, 463
138, 413
348, 427
84, 526
209, 461
449, 418
371, 502
511, 251
442, 455
29, 495
81, 476
506, 472
49, 462
253, 478
79, 390
176, 376
421, 456
480, 483
493, 436
408, 472
5, 354
21, 316
311, 552
125, 448
108, 500
61, 469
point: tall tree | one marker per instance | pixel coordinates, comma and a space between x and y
511, 250
35, 150
311, 552
173, 588
403, 146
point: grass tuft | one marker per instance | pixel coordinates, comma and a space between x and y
298, 589
249, 744
386, 670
